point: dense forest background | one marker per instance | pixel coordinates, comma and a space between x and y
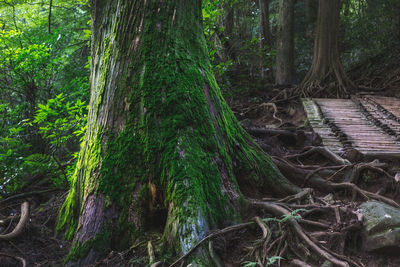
45, 70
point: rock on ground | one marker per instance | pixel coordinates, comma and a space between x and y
381, 227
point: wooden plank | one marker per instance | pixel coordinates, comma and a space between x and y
358, 119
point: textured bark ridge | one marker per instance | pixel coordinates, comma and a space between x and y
160, 135
327, 69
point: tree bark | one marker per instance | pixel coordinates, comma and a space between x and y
49, 17
398, 23
327, 70
160, 138
265, 34
285, 43
311, 17
229, 23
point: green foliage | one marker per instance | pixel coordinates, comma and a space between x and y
11, 161
273, 259
62, 124
250, 264
369, 29
60, 120
38, 66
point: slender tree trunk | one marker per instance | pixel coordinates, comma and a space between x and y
285, 43
160, 137
398, 23
229, 22
327, 70
266, 37
49, 17
265, 34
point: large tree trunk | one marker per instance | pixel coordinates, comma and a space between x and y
265, 34
327, 70
160, 137
285, 43
311, 17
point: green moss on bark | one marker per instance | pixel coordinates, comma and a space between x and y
100, 243
158, 120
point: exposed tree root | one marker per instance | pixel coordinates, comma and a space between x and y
214, 257
21, 224
210, 237
307, 177
324, 152
344, 221
263, 249
150, 251
263, 107
298, 263
20, 259
280, 211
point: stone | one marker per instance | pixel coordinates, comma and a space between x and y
327, 264
381, 226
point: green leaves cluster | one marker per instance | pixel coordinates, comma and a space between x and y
60, 120
44, 85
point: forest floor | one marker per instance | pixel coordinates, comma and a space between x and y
329, 218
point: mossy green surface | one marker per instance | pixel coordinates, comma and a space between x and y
157, 118
100, 243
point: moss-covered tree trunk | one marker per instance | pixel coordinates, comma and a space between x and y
327, 70
285, 43
160, 137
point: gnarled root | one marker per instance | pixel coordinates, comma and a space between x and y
278, 210
21, 224
317, 182
324, 152
20, 259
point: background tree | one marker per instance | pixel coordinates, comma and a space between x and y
265, 34
229, 23
159, 136
285, 43
326, 69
